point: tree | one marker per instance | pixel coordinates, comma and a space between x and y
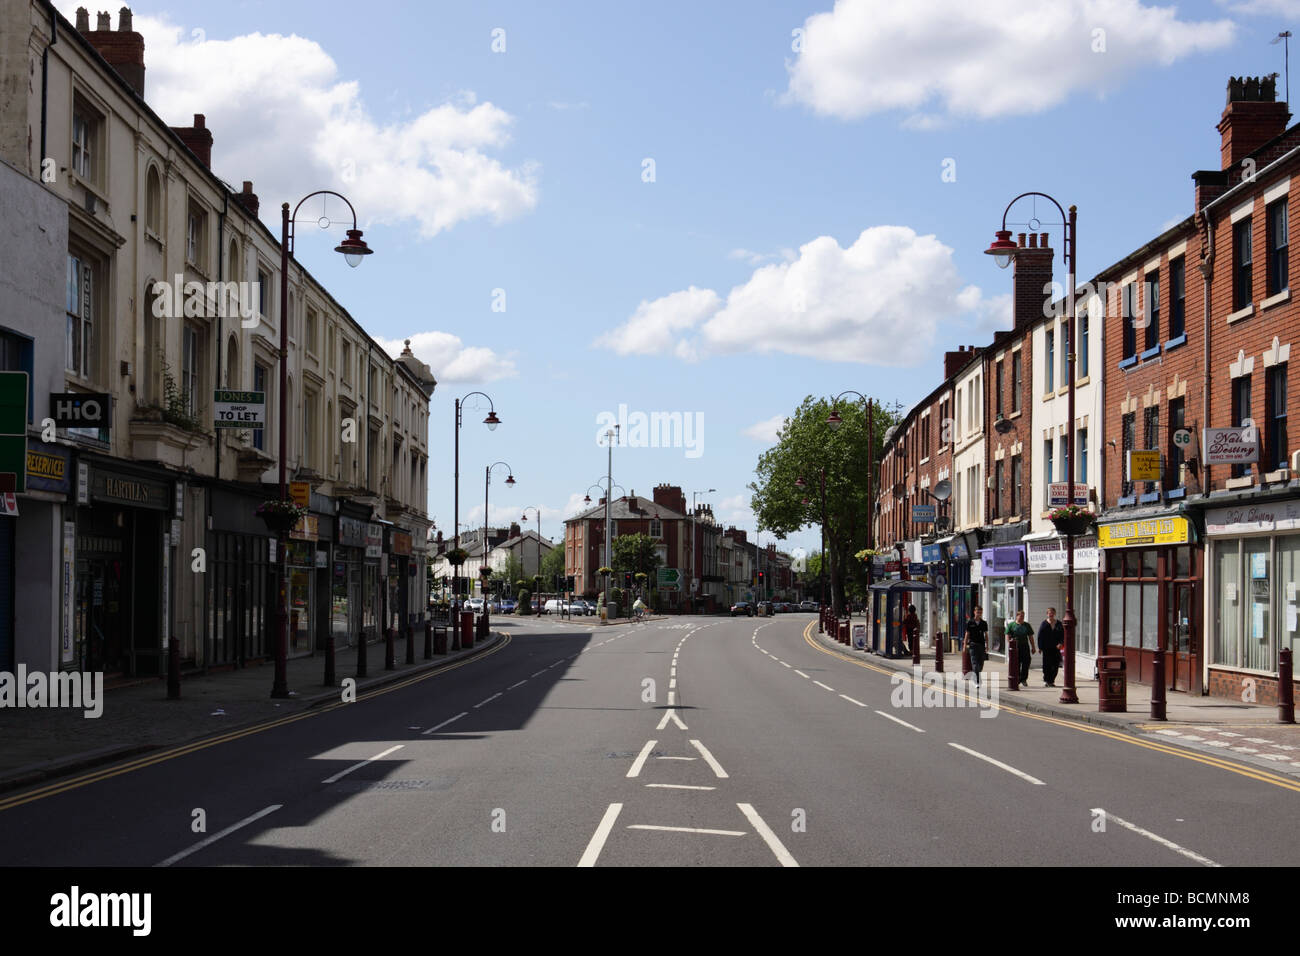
552, 565
805, 445
506, 577
636, 552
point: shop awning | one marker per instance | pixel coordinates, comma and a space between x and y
902, 586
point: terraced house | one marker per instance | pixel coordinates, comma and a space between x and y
168, 289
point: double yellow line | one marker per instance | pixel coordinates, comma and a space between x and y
94, 776
1254, 773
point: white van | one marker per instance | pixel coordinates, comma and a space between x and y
553, 606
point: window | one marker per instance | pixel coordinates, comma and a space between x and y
1082, 357
1016, 476
1276, 447
153, 202
81, 315
1064, 443
308, 423
1241, 413
312, 320
347, 361
196, 236
1081, 452
263, 291
1174, 473
233, 377
1128, 315
997, 400
1153, 311
329, 349
1049, 363
997, 489
1241, 292
1277, 247
1015, 381
260, 376
1047, 470
16, 356
87, 129
1177, 297
191, 368
656, 528
1128, 425
1151, 437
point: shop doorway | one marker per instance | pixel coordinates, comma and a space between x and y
1183, 628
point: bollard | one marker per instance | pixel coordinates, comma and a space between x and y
466, 629
938, 652
173, 669
1013, 664
361, 653
916, 650
1158, 684
410, 643
330, 676
428, 639
390, 649
1285, 689
821, 619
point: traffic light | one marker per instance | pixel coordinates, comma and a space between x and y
627, 579
761, 586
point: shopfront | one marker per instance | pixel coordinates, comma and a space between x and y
1047, 582
348, 565
373, 585
1252, 579
1150, 597
958, 600
302, 586
1002, 576
240, 579
400, 569
37, 552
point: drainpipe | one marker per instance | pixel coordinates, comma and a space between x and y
1207, 272
45, 77
220, 344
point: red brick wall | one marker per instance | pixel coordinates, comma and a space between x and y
1232, 685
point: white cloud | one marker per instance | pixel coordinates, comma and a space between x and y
452, 361
766, 431
282, 116
878, 301
1281, 8
736, 511
936, 58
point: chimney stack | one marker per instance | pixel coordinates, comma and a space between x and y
122, 49
248, 199
198, 139
1252, 118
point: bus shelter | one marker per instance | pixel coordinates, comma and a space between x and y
889, 601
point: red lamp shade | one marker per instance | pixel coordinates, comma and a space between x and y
1002, 248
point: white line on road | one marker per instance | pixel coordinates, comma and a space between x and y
675, 758
357, 766
601, 835
783, 663
903, 722
488, 701
217, 836
708, 758
1206, 861
678, 786
639, 762
770, 838
647, 826
672, 682
801, 673
997, 763
671, 714
671, 701
539, 673
852, 701
820, 684
446, 722
520, 684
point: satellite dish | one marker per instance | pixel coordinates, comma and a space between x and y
943, 490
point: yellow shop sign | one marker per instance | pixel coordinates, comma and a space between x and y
1145, 531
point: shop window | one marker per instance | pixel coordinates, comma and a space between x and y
1227, 630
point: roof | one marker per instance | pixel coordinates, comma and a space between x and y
628, 508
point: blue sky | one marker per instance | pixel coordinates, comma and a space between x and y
798, 236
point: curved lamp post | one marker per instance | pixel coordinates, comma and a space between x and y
487, 480
524, 517
1003, 250
491, 422
354, 249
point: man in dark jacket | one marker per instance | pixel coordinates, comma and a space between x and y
911, 630
1023, 635
1051, 641
977, 640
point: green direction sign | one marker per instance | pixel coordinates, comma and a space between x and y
669, 579
13, 431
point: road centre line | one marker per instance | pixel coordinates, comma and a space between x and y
208, 841
597, 842
709, 759
1203, 860
488, 701
998, 763
852, 701
641, 758
446, 722
770, 838
357, 766
898, 721
820, 684
679, 786
519, 684
783, 663
801, 673
647, 826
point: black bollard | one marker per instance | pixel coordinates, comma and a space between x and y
361, 653
1158, 684
390, 649
173, 669
330, 678
428, 639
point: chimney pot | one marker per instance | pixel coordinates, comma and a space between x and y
83, 20
248, 186
1020, 240
103, 21
1033, 240
124, 20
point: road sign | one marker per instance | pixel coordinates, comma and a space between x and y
669, 579
300, 493
232, 409
1057, 492
1143, 465
923, 514
13, 431
1182, 438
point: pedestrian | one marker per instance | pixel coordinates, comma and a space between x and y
911, 630
977, 640
1051, 642
1023, 634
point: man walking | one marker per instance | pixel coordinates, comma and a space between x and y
977, 640
1051, 641
1023, 635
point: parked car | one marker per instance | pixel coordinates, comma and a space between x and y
475, 605
553, 606
580, 606
742, 607
808, 606
508, 605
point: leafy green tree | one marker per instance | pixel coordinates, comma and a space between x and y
637, 553
552, 564
505, 578
805, 446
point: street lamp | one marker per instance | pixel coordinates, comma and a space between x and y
524, 517
611, 439
353, 249
491, 422
487, 480
694, 495
1002, 248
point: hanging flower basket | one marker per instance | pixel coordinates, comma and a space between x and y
1072, 520
280, 515
457, 556
605, 571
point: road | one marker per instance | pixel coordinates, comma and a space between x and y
696, 741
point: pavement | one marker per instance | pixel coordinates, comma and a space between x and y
137, 717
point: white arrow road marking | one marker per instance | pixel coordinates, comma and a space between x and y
671, 714
217, 836
770, 838
357, 766
446, 722
640, 759
997, 763
903, 722
647, 826
708, 758
1205, 861
601, 835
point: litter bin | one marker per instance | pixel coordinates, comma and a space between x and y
1112, 687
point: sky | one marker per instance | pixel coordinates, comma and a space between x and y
594, 211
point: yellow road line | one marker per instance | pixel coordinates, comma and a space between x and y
1254, 773
94, 776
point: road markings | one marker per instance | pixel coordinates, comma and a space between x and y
998, 763
601, 835
357, 766
823, 686
770, 838
217, 836
801, 673
520, 684
539, 673
709, 759
898, 721
647, 826
1203, 860
676, 758
672, 682
852, 701
678, 786
641, 758
488, 701
671, 698
446, 722
671, 714
783, 663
